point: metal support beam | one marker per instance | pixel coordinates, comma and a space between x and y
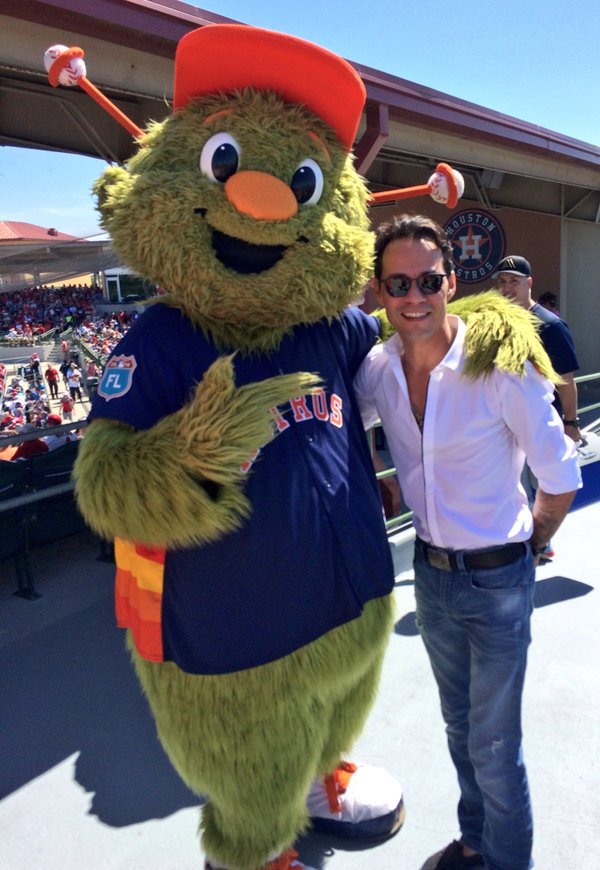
372, 140
578, 203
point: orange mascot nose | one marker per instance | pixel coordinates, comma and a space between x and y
260, 195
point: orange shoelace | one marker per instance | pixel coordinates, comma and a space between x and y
336, 784
284, 861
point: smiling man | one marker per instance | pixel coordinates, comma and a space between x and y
459, 444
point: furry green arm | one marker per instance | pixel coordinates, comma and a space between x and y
500, 334
180, 482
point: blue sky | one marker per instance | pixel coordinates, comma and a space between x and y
534, 59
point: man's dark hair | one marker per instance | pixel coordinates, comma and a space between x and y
409, 226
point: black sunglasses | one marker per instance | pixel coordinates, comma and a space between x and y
428, 283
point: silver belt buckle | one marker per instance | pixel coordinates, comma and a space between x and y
439, 559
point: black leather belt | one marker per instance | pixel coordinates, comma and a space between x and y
473, 561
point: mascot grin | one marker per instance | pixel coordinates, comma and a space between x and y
244, 257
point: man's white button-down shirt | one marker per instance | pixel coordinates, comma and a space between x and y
461, 475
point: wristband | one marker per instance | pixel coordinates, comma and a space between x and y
576, 422
537, 551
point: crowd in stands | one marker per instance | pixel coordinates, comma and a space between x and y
27, 314
37, 398
101, 334
26, 399
26, 405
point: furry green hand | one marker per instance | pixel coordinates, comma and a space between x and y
224, 425
180, 482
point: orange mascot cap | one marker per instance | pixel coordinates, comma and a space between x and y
225, 57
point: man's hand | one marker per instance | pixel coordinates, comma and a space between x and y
548, 513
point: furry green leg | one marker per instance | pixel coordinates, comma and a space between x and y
253, 741
348, 716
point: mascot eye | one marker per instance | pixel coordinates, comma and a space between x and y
220, 157
307, 182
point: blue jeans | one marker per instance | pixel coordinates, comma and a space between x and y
476, 629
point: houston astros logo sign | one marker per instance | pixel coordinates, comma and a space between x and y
477, 244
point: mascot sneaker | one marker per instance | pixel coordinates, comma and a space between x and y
358, 802
288, 860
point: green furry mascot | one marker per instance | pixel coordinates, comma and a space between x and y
226, 453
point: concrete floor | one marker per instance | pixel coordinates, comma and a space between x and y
84, 783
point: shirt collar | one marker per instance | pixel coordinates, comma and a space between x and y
454, 358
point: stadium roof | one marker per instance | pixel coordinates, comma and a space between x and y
406, 129
30, 255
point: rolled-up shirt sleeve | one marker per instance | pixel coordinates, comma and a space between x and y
528, 412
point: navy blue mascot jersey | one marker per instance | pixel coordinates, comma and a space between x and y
314, 549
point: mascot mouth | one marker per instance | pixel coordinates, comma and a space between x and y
244, 257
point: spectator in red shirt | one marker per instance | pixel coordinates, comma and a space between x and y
29, 448
59, 440
67, 404
52, 378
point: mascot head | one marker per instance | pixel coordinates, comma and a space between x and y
244, 205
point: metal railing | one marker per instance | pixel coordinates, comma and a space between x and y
87, 351
48, 337
582, 379
393, 524
33, 493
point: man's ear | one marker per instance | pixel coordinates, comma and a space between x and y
451, 286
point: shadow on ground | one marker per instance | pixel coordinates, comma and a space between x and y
316, 849
72, 689
553, 590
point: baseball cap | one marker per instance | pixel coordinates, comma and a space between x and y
220, 58
515, 265
55, 419
27, 427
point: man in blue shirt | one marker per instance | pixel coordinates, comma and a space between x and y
514, 280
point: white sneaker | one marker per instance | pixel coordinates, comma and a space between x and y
357, 802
